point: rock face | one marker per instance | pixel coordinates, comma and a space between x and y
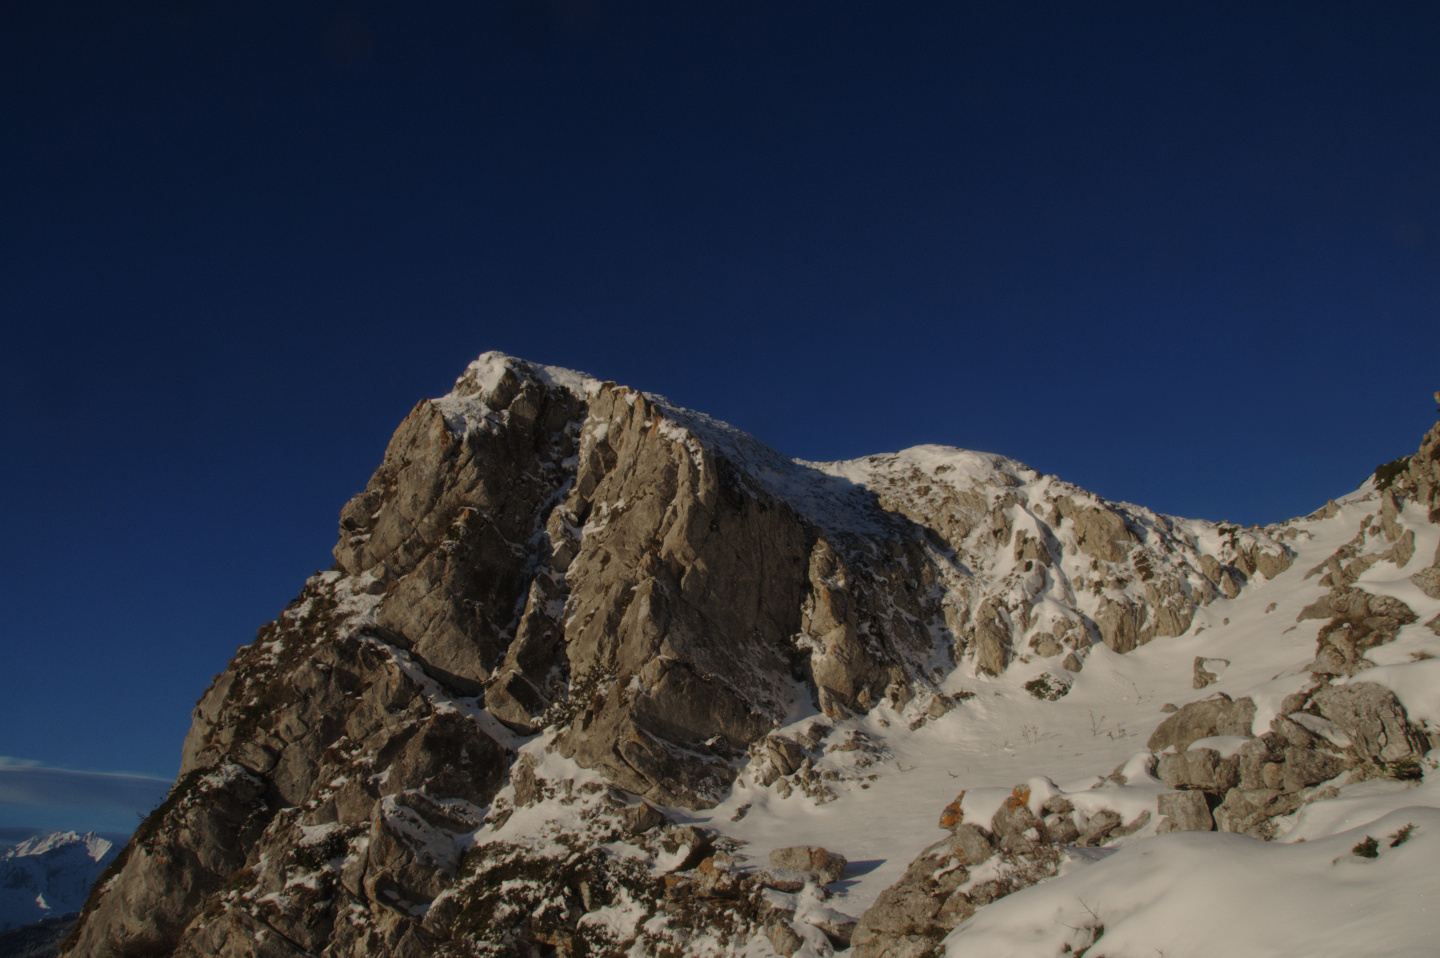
542, 557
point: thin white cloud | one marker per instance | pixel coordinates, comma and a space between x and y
9, 761
30, 783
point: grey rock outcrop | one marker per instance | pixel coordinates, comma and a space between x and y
1204, 677
1374, 719
1204, 719
1325, 732
1427, 580
1201, 768
1359, 622
939, 890
1184, 812
1419, 480
824, 866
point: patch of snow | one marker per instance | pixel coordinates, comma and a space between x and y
1194, 894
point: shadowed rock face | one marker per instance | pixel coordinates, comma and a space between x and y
539, 551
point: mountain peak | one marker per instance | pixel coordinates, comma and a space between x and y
588, 660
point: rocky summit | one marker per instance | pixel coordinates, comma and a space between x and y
596, 675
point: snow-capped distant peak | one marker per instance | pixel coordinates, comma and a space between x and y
95, 847
50, 875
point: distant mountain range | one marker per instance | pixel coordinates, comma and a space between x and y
45, 876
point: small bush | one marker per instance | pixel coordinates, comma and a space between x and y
1046, 687
1386, 474
1402, 836
1405, 770
1369, 848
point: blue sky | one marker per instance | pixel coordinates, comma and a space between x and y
1182, 255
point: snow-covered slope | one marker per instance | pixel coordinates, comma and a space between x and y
589, 660
49, 875
1196, 894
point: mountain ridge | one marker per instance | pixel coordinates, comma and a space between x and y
49, 874
561, 594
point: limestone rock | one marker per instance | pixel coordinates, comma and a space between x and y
1119, 623
641, 818
1016, 828
1201, 768
1203, 675
911, 917
1374, 719
1403, 550
786, 755
783, 938
972, 845
992, 639
1427, 580
1216, 716
1046, 646
1184, 812
826, 866
1359, 621
1100, 533
1250, 811
1304, 767
1099, 827
1271, 564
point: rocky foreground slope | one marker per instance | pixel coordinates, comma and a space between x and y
596, 675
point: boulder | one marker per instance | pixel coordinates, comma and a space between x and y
1201, 768
1184, 812
900, 912
1359, 621
1374, 719
1062, 829
784, 754
1099, 532
1304, 767
1203, 674
952, 814
784, 879
972, 844
1250, 811
991, 638
1016, 829
639, 819
1046, 646
1215, 716
1292, 731
1271, 564
1118, 621
1099, 827
783, 938
1427, 580
824, 865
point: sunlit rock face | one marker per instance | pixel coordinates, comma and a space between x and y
568, 620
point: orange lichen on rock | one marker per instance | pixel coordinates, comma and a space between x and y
1019, 795
952, 814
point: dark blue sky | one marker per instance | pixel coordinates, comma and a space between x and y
1186, 255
